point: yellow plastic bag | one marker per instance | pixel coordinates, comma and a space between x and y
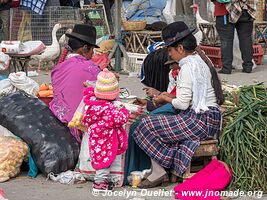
76, 121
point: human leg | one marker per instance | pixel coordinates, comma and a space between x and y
226, 33
101, 180
135, 159
244, 27
107, 5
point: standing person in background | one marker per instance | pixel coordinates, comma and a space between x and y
239, 15
108, 4
149, 10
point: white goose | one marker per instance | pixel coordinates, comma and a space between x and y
63, 40
198, 35
51, 52
199, 19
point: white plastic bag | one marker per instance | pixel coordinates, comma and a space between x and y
22, 82
68, 177
11, 46
4, 61
6, 87
5, 132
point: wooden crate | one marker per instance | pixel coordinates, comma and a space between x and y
260, 33
210, 35
138, 41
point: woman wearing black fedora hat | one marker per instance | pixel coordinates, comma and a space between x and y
68, 76
171, 140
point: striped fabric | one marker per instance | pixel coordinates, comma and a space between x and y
172, 140
107, 86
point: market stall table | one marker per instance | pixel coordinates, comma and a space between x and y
19, 62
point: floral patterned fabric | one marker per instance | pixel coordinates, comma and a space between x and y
105, 128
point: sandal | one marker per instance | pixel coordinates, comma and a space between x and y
162, 181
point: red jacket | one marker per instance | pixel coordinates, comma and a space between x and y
220, 9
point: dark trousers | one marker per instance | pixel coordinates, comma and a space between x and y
108, 4
244, 27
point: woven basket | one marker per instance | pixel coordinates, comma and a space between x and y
135, 25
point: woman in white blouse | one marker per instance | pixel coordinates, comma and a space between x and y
171, 140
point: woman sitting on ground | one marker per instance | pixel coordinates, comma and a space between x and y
171, 140
69, 76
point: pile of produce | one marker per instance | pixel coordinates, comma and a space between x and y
45, 90
243, 142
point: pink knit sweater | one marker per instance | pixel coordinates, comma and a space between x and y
107, 136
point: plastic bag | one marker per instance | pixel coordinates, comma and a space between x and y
4, 61
84, 165
53, 147
76, 121
6, 87
5, 132
22, 82
68, 177
12, 153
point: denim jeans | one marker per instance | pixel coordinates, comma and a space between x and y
244, 27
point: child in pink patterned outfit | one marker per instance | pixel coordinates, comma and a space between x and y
105, 127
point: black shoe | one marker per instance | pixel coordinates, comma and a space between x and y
248, 70
224, 71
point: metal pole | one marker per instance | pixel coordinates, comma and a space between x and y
118, 4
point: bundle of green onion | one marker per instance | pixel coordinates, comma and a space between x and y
243, 142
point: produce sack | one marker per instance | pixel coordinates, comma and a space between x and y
12, 153
84, 165
53, 147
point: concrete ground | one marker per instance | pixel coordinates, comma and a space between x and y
23, 188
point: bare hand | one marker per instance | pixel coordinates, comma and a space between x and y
160, 99
151, 92
92, 5
164, 97
168, 95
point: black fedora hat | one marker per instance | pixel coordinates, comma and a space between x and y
85, 33
175, 32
